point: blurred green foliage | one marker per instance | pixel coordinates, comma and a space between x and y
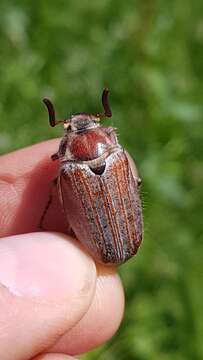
150, 54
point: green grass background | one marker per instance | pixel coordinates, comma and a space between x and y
150, 54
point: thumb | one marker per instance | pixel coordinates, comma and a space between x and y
46, 286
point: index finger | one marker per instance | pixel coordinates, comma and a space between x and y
25, 184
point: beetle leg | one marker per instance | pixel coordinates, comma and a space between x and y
63, 146
62, 149
54, 183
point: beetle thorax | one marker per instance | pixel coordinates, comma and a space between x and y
89, 144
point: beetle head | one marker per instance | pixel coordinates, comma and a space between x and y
81, 121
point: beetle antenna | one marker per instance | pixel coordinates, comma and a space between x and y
105, 103
51, 111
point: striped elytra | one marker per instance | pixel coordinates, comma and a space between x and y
98, 187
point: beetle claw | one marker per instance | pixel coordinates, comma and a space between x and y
55, 156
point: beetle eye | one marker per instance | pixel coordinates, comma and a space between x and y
139, 181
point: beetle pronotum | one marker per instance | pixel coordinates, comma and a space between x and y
98, 186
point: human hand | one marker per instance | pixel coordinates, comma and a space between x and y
54, 300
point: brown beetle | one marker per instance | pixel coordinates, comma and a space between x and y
98, 187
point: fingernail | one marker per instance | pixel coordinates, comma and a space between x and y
47, 266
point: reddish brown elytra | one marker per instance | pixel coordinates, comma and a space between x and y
98, 187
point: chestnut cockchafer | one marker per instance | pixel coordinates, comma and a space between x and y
98, 186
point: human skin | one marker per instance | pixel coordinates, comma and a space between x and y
55, 301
